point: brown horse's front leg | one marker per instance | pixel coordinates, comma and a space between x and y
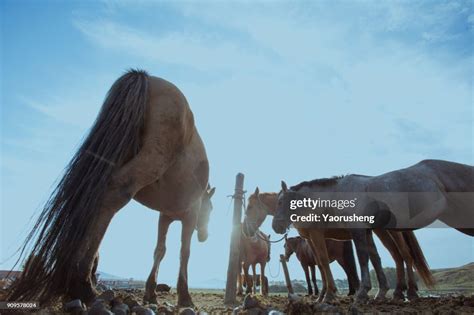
318, 244
188, 225
160, 250
247, 280
263, 286
254, 278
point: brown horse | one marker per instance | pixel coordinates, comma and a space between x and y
407, 199
403, 247
336, 251
254, 250
144, 145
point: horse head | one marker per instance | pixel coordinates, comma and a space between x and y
204, 213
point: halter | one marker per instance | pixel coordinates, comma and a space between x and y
263, 206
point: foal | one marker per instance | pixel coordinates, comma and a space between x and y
341, 251
254, 250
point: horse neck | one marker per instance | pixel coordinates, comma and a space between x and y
270, 200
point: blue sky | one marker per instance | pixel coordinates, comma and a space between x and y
279, 90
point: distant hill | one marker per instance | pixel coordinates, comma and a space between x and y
458, 278
107, 276
455, 278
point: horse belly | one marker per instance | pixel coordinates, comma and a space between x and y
183, 183
338, 234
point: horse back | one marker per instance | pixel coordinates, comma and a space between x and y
455, 177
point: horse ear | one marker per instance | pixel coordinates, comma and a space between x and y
208, 186
211, 192
283, 186
286, 237
257, 191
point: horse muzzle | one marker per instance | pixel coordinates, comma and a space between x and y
202, 235
279, 225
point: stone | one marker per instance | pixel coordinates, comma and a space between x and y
107, 295
275, 312
153, 307
165, 309
250, 302
187, 311
162, 287
120, 309
140, 310
294, 297
131, 301
74, 305
99, 308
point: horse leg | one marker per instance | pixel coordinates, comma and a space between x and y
254, 278
377, 263
313, 278
407, 257
308, 281
263, 288
323, 279
240, 289
349, 274
391, 246
160, 250
248, 285
318, 242
188, 226
412, 293
360, 241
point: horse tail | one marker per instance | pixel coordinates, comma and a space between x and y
419, 259
350, 265
74, 204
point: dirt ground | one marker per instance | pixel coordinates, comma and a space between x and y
211, 301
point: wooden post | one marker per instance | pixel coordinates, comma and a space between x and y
233, 270
287, 275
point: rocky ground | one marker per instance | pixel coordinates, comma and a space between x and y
211, 302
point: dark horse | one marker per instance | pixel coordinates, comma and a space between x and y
144, 145
337, 250
431, 189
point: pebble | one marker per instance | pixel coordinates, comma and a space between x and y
140, 310
250, 302
187, 311
121, 309
74, 305
107, 295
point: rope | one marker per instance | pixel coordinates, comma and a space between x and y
277, 241
270, 271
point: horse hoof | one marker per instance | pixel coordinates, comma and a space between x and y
398, 295
361, 297
412, 295
329, 298
380, 296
